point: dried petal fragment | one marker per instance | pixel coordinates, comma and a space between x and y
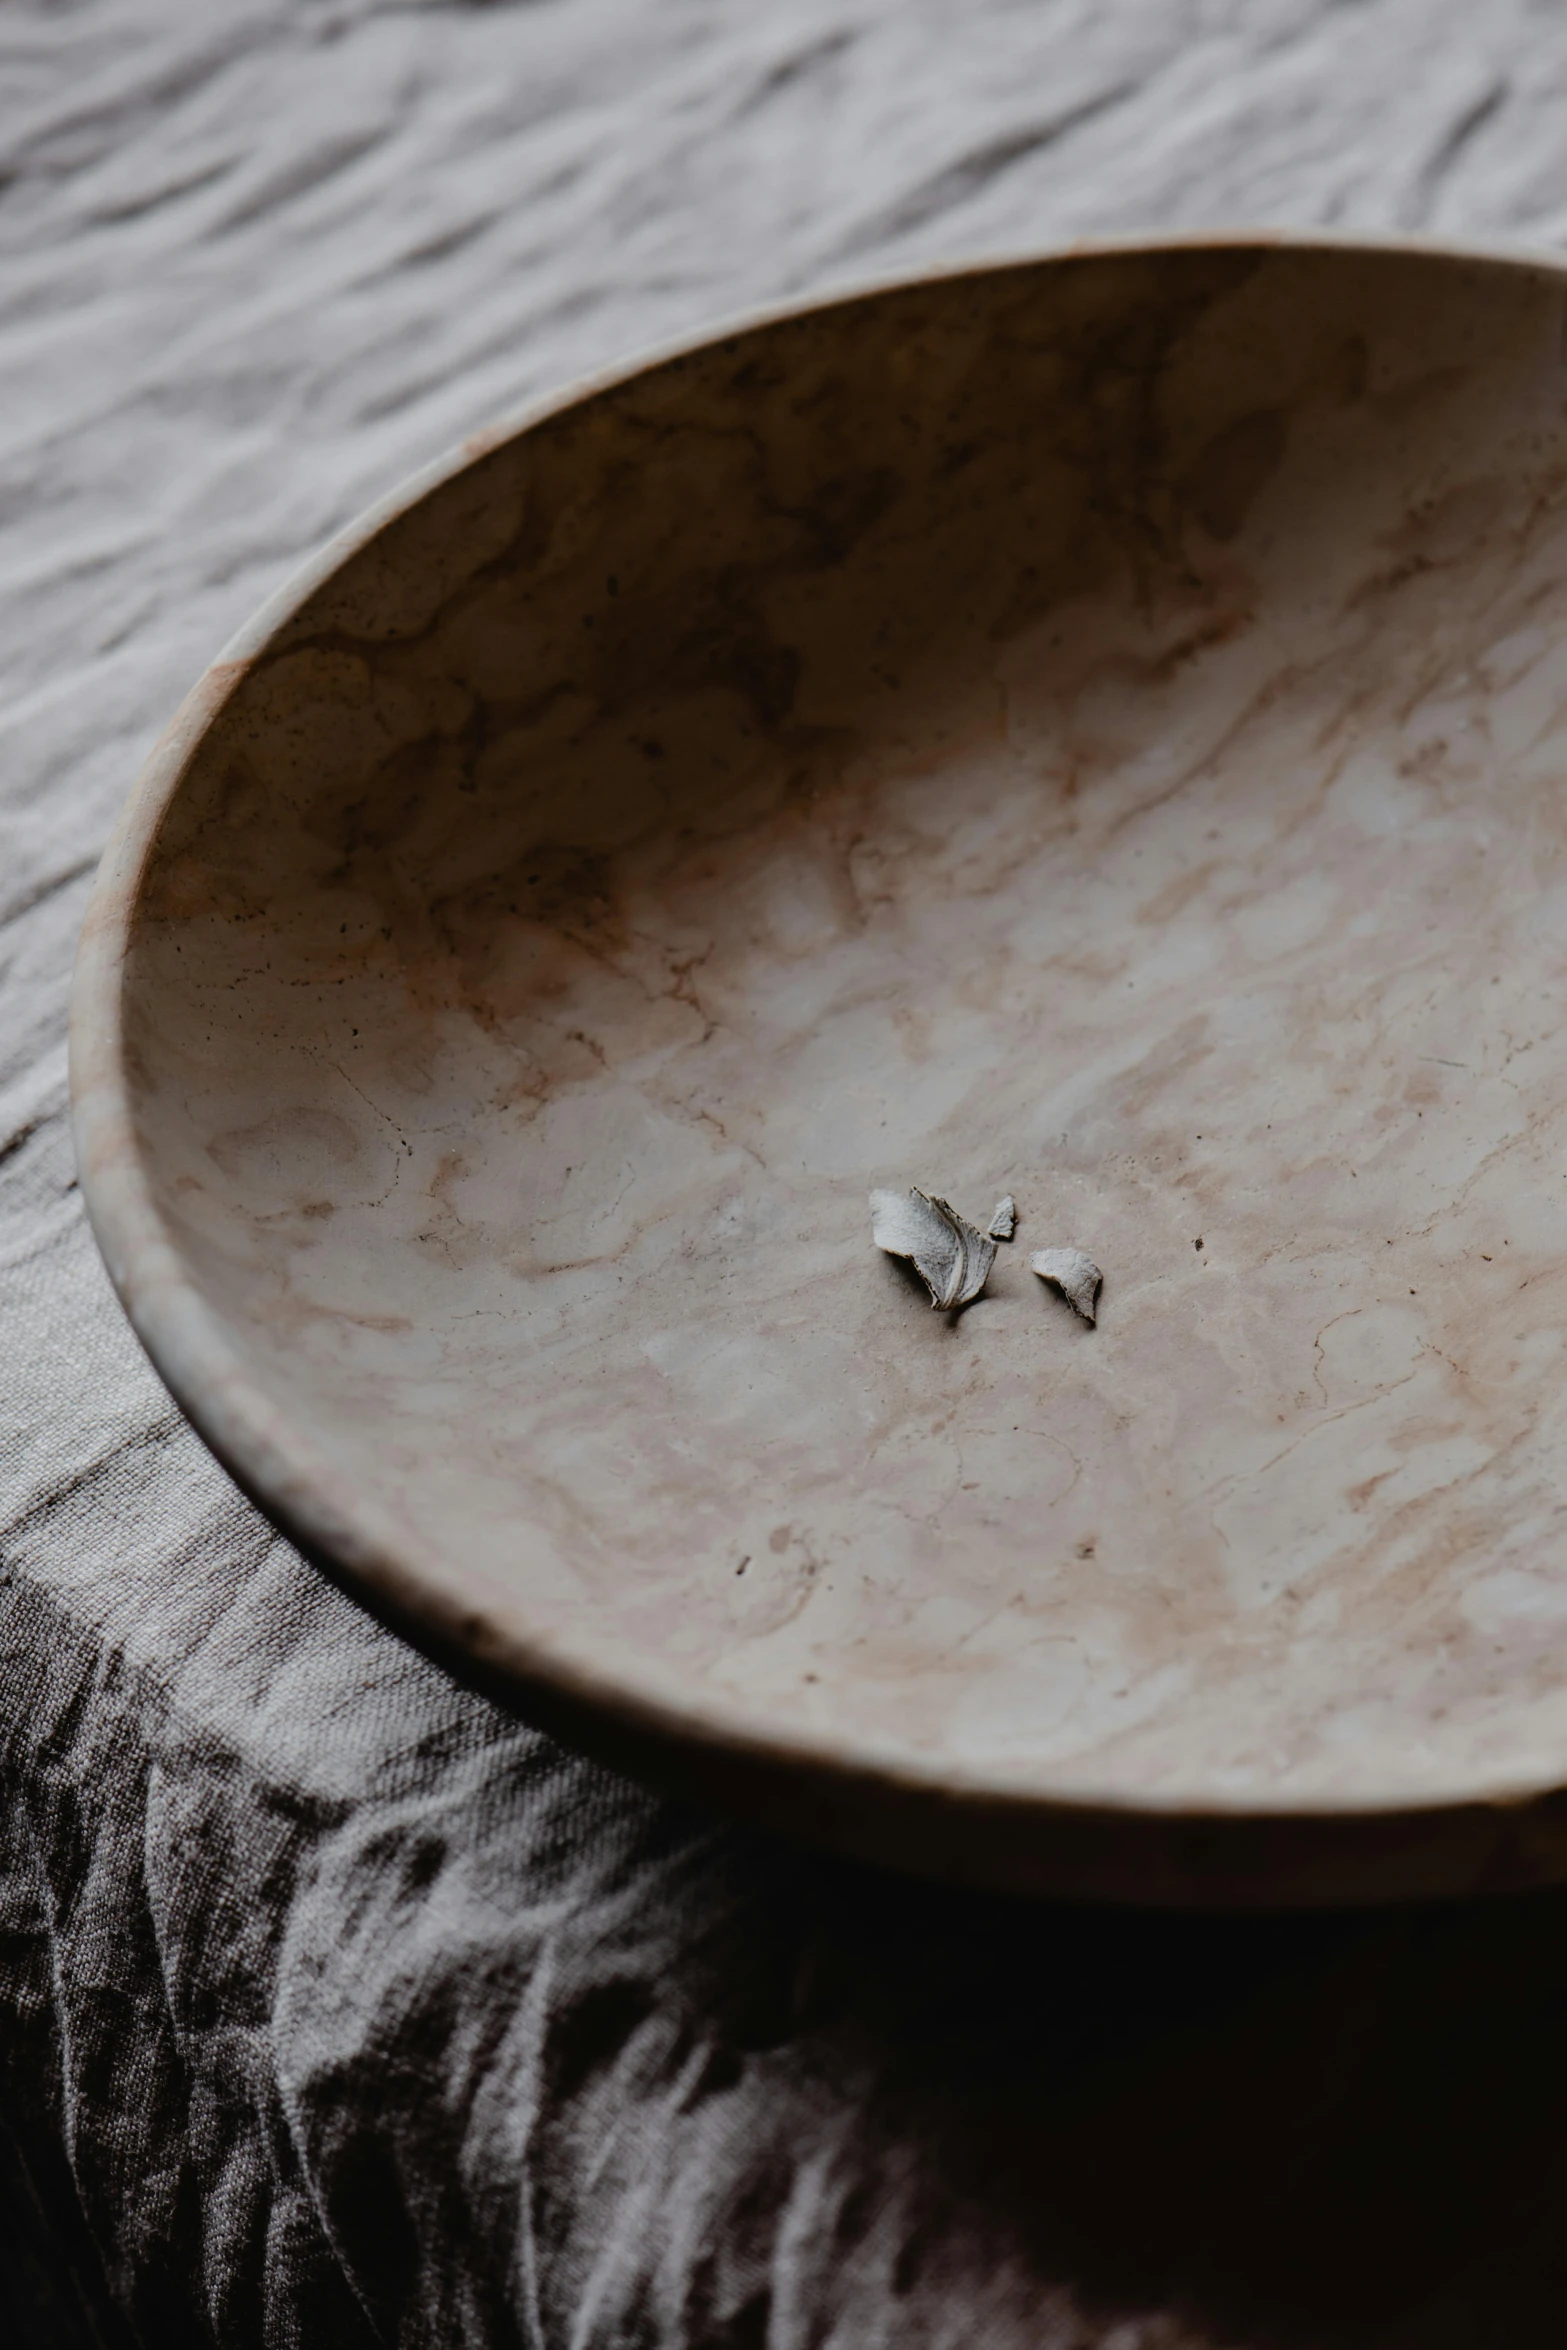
950, 1257
1076, 1276
1003, 1220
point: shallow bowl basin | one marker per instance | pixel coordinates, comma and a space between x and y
1089, 729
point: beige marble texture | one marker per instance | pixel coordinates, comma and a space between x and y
1091, 730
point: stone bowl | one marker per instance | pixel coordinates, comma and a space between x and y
1089, 729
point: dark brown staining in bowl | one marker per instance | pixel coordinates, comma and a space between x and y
1234, 469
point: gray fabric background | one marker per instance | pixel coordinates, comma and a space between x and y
335, 2007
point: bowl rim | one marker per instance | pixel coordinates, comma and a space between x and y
320, 1507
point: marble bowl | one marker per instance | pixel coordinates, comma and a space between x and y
1090, 729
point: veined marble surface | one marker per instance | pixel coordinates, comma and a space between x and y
634, 2077
1089, 731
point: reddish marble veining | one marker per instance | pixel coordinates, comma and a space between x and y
1089, 730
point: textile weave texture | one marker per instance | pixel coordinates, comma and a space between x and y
337, 2007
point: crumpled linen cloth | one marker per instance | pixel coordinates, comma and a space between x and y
337, 2007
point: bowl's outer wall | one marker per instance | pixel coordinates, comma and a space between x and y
490, 823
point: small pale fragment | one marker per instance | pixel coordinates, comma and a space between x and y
1076, 1276
950, 1257
1003, 1220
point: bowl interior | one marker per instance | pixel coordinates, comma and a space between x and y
1087, 730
